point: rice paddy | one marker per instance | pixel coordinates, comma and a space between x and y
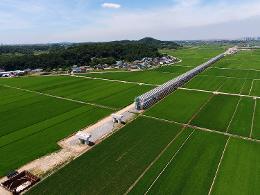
202, 139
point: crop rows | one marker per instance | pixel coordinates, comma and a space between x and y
188, 143
158, 159
33, 123
112, 94
112, 166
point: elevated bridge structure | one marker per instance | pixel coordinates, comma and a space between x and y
151, 97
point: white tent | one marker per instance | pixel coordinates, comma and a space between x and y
83, 137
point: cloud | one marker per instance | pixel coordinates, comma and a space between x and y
174, 22
184, 19
111, 5
187, 3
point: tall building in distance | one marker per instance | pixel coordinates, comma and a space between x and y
249, 39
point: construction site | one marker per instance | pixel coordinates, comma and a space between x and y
187, 121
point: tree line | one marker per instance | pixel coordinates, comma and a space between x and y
92, 54
28, 49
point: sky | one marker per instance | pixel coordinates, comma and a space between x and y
48, 21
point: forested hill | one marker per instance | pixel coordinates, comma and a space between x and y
160, 44
154, 42
29, 49
63, 56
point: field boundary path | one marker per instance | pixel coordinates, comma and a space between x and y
153, 162
223, 68
253, 119
114, 80
219, 164
71, 148
205, 129
169, 162
233, 115
183, 88
219, 92
184, 126
58, 97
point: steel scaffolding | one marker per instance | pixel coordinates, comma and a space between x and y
146, 100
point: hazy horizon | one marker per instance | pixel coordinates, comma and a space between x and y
46, 21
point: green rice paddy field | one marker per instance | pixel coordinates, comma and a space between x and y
99, 92
148, 77
194, 56
178, 161
238, 74
193, 157
190, 57
33, 123
194, 141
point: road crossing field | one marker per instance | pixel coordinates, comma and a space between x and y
185, 155
192, 169
232, 86
222, 84
243, 60
217, 113
115, 163
205, 83
230, 79
255, 131
177, 106
149, 77
99, 92
33, 124
224, 113
183, 160
190, 57
242, 118
204, 138
255, 88
238, 74
37, 112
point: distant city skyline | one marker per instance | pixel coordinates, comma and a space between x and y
51, 21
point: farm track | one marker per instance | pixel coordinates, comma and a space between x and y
112, 80
70, 149
58, 97
220, 93
183, 88
169, 162
184, 125
222, 68
253, 119
164, 150
153, 162
252, 84
219, 164
205, 129
233, 115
